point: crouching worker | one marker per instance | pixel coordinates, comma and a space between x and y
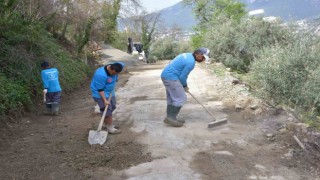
52, 89
102, 85
174, 78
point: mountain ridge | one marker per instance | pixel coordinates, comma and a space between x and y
182, 16
288, 10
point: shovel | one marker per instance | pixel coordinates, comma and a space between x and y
214, 123
98, 136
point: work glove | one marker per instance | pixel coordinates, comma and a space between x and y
186, 89
44, 95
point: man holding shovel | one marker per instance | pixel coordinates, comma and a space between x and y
102, 87
52, 89
174, 77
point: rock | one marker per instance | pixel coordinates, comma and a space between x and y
288, 155
241, 103
302, 127
283, 130
269, 135
235, 81
254, 105
223, 153
258, 111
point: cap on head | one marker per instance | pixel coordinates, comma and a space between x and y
121, 64
205, 52
118, 66
44, 64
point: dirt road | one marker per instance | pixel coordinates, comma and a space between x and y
248, 147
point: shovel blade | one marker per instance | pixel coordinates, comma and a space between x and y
97, 137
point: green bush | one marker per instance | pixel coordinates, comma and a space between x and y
166, 49
198, 38
236, 44
23, 46
290, 74
121, 41
13, 94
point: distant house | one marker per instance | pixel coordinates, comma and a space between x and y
256, 12
317, 31
271, 19
175, 35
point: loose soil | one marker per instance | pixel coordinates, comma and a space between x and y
256, 143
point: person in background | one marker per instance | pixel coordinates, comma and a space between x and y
102, 85
52, 89
174, 77
130, 45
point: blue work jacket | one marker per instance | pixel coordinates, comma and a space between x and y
50, 79
102, 81
179, 68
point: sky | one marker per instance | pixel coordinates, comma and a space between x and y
154, 5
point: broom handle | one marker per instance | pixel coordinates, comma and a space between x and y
203, 106
104, 112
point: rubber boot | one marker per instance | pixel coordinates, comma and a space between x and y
171, 119
169, 108
175, 111
179, 120
48, 110
55, 108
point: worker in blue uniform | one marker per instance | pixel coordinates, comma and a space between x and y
174, 77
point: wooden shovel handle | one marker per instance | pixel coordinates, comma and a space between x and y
105, 112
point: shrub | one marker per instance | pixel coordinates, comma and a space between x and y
290, 74
236, 44
121, 41
166, 49
13, 94
23, 46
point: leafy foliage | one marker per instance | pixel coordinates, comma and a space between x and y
290, 74
166, 49
121, 42
83, 39
229, 8
110, 14
198, 39
236, 44
13, 94
283, 62
218, 19
148, 27
24, 44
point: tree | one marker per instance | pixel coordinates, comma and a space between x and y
207, 10
110, 12
148, 27
209, 14
229, 8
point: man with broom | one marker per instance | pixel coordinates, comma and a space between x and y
174, 78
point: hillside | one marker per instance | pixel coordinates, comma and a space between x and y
182, 15
286, 9
178, 15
